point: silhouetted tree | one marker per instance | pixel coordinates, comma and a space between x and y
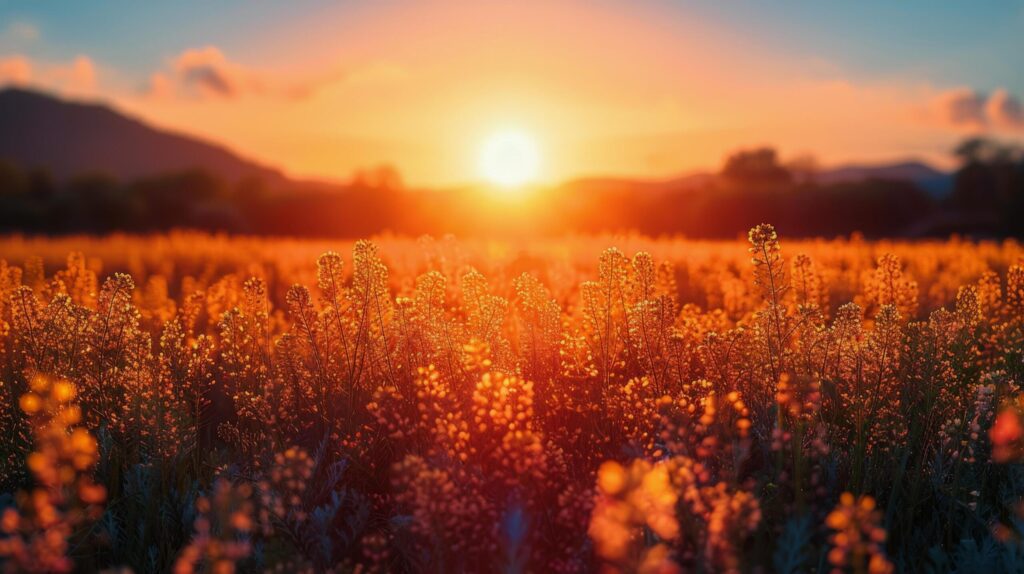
98, 202
756, 166
987, 151
172, 200
990, 181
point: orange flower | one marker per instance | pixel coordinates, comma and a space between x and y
857, 539
1006, 434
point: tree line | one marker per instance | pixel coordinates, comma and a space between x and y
987, 199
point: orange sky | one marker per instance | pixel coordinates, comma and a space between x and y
604, 90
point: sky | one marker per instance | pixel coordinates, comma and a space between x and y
637, 88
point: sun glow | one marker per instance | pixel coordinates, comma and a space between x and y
510, 159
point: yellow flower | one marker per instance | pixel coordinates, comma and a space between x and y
63, 391
611, 478
30, 403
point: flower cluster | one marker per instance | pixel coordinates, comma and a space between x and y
37, 531
222, 530
695, 525
858, 540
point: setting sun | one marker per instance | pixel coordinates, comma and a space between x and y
510, 159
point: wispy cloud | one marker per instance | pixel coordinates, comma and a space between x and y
207, 73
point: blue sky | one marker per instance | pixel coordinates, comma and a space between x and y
978, 43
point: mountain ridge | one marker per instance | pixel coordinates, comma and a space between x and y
69, 138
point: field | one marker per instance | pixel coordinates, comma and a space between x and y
200, 403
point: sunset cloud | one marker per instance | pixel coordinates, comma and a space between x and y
207, 73
962, 107
1004, 109
968, 108
15, 70
75, 77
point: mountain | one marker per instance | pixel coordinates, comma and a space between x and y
936, 183
70, 138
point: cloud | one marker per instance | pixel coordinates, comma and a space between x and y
962, 107
16, 70
160, 86
969, 108
1005, 109
77, 76
208, 72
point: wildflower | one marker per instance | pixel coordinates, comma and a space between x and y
687, 519
858, 540
222, 530
282, 491
36, 533
1006, 435
888, 285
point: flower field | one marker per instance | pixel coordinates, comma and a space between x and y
199, 403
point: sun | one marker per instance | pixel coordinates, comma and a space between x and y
510, 159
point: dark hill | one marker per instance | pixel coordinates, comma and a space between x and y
936, 183
70, 138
